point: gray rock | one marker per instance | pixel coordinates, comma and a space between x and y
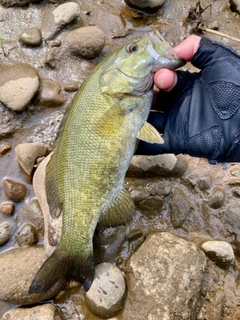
86, 42
54, 20
220, 252
27, 235
27, 154
18, 268
15, 191
5, 232
164, 279
147, 3
160, 165
42, 312
31, 37
18, 85
106, 295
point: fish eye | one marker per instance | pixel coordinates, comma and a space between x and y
132, 47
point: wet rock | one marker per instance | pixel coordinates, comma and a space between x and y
18, 268
86, 42
18, 85
152, 205
53, 57
160, 165
4, 148
42, 312
32, 212
235, 5
54, 20
106, 295
217, 198
180, 208
15, 191
31, 37
164, 278
220, 252
27, 235
53, 227
27, 154
147, 3
50, 94
5, 232
72, 86
7, 208
205, 182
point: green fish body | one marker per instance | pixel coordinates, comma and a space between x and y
93, 149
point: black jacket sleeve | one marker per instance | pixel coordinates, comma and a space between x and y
201, 115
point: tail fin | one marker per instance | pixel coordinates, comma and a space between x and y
59, 265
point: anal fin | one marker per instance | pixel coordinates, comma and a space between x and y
149, 134
120, 210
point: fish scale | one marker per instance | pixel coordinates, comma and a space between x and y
93, 149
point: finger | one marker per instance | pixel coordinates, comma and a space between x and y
165, 79
188, 47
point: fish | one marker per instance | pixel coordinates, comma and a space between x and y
91, 154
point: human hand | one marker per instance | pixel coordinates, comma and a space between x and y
201, 110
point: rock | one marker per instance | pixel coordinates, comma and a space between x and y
160, 165
31, 37
50, 94
15, 191
32, 212
53, 227
5, 232
147, 3
151, 205
27, 153
164, 278
86, 42
72, 86
54, 20
53, 57
180, 208
204, 183
4, 148
7, 208
220, 252
42, 312
106, 296
18, 268
217, 198
18, 85
27, 235
235, 5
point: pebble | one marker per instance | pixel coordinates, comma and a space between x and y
53, 56
7, 208
15, 191
86, 42
50, 94
42, 312
27, 154
5, 233
18, 85
179, 208
217, 198
27, 235
220, 252
31, 37
18, 268
32, 212
160, 165
204, 183
107, 293
57, 19
165, 273
4, 148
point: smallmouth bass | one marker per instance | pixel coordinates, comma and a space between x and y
92, 152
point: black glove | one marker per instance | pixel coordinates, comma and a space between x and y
202, 116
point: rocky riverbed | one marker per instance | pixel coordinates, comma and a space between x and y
179, 258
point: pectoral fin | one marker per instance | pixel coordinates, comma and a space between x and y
149, 134
119, 212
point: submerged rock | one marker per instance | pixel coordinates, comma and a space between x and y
220, 252
166, 272
86, 42
18, 268
106, 295
18, 85
42, 312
